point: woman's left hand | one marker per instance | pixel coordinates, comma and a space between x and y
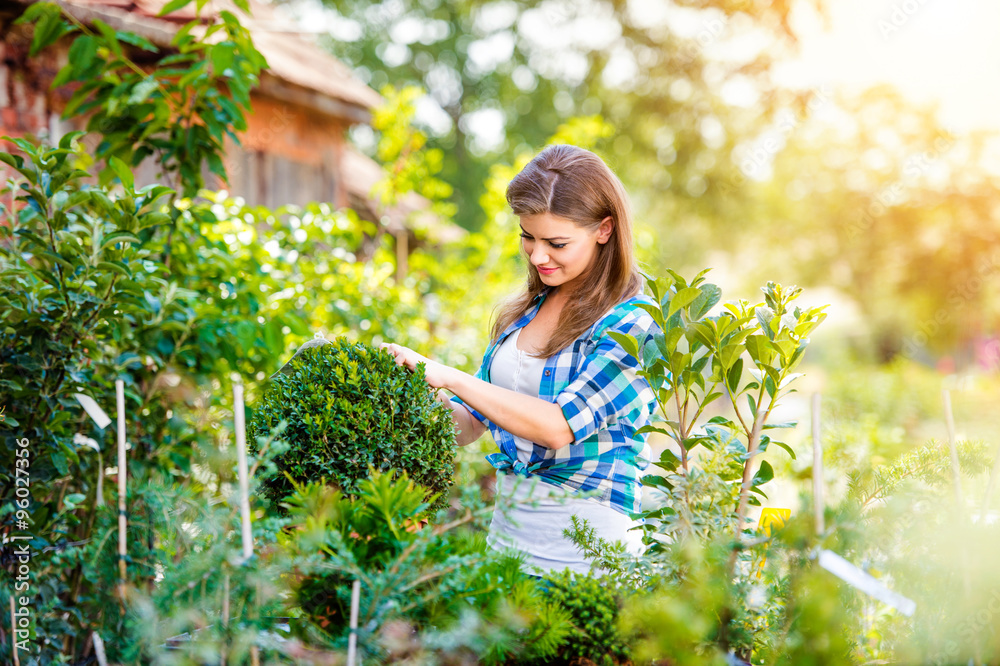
435, 373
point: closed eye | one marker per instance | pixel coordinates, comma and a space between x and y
557, 246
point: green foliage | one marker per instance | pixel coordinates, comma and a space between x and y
929, 464
180, 112
502, 59
744, 356
349, 408
698, 359
430, 587
593, 605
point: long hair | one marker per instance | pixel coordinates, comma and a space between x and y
575, 184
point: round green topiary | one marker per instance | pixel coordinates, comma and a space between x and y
348, 407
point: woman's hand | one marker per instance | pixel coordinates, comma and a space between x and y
436, 374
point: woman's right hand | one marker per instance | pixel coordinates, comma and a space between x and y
435, 374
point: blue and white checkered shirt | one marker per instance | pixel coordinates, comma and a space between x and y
604, 401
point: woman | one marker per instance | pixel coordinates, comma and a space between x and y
560, 396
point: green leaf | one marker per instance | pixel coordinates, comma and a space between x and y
668, 461
627, 342
655, 313
782, 424
764, 317
123, 172
655, 481
785, 447
48, 30
110, 36
763, 475
723, 421
138, 40
142, 90
119, 237
114, 266
651, 428
760, 348
173, 6
153, 219
734, 375
708, 298
683, 298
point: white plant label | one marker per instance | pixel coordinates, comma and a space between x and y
95, 411
871, 586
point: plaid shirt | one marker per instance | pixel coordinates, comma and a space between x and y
604, 401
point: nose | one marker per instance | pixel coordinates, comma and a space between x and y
538, 255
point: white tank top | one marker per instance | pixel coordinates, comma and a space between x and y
534, 525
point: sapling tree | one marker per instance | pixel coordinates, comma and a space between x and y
743, 361
746, 356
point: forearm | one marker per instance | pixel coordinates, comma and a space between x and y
533, 419
468, 427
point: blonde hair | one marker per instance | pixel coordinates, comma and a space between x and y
575, 184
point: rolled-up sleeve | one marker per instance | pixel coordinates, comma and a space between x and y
608, 385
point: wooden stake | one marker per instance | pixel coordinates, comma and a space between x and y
13, 632
122, 471
100, 479
955, 469
102, 659
352, 639
225, 614
818, 501
239, 416
241, 457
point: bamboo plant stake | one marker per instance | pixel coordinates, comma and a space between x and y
102, 659
352, 639
13, 633
225, 614
239, 416
241, 464
818, 501
122, 471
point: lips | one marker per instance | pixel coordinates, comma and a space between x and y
546, 271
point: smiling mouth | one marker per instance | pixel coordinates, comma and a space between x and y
544, 269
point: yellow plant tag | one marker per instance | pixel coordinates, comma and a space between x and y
775, 518
771, 518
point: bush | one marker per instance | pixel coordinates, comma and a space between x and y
593, 605
349, 408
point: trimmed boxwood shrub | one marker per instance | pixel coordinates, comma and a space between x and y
349, 407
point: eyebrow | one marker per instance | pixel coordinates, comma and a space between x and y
555, 238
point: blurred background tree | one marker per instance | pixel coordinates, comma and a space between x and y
863, 192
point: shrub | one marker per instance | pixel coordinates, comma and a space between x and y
593, 605
349, 408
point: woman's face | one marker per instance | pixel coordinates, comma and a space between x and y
561, 251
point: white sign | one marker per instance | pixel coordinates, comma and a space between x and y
857, 578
